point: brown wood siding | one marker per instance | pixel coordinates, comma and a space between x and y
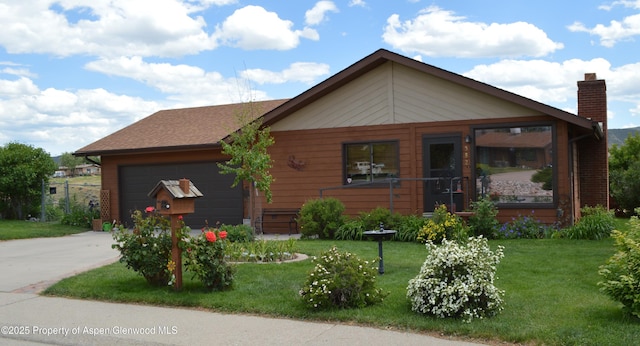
321, 152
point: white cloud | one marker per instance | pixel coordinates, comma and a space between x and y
305, 72
615, 32
317, 14
360, 3
105, 28
60, 120
437, 32
253, 27
624, 3
18, 72
554, 83
186, 85
543, 81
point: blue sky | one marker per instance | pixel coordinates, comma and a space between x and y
74, 71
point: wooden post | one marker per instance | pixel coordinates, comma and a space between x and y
176, 251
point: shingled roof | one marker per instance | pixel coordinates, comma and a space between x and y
178, 129
203, 127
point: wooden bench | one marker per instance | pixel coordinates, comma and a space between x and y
465, 215
279, 221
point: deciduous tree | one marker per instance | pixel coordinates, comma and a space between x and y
247, 147
624, 173
71, 162
22, 170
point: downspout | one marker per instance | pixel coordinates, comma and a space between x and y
92, 161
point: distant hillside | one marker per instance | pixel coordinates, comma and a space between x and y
617, 136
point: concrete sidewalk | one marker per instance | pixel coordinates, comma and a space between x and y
58, 321
29, 319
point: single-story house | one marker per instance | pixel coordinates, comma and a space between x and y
388, 131
83, 169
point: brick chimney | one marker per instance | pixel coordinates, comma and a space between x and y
593, 153
185, 185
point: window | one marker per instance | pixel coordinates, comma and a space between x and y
370, 161
514, 165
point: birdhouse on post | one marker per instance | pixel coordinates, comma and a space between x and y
175, 198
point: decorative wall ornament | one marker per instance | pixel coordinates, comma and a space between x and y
298, 165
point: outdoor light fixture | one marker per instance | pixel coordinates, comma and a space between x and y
467, 139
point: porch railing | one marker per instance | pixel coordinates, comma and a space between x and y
453, 181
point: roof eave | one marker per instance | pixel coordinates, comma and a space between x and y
150, 150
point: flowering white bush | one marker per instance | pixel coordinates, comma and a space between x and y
341, 279
456, 280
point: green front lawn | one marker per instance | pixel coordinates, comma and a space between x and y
551, 296
20, 229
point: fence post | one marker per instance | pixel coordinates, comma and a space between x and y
43, 212
66, 196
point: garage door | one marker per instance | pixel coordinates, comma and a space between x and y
220, 202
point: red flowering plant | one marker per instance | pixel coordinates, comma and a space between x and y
205, 259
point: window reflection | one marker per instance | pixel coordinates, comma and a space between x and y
515, 165
370, 161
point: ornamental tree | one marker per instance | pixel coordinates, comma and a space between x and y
247, 147
23, 168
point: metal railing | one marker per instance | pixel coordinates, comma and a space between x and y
394, 181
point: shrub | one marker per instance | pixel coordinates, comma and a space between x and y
544, 176
341, 280
596, 223
238, 233
622, 271
442, 225
321, 217
351, 229
79, 214
261, 250
524, 227
377, 216
205, 259
457, 281
147, 249
483, 222
409, 227
406, 226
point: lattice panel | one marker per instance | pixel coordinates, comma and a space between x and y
105, 205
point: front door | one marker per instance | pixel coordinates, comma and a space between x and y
442, 169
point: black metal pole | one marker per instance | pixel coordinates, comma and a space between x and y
381, 263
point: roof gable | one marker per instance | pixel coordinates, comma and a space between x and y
382, 56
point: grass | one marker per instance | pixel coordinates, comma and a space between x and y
81, 188
551, 296
20, 229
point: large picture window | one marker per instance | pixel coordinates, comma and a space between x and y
514, 165
370, 161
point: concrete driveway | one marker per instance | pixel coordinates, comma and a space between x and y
31, 265
29, 319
